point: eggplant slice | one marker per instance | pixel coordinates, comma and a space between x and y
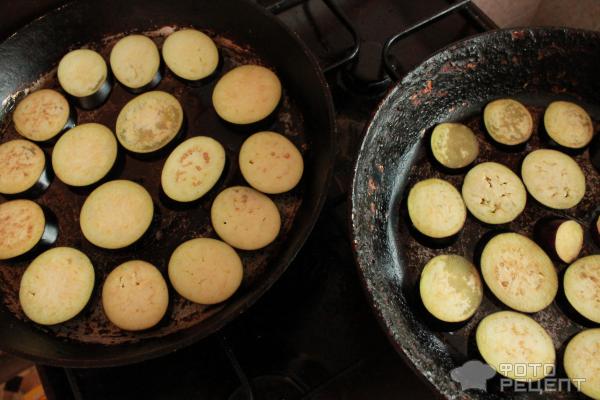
493, 193
436, 208
84, 75
561, 238
582, 362
582, 287
454, 145
450, 288
516, 346
135, 62
42, 115
508, 122
23, 167
56, 286
553, 178
518, 272
149, 122
568, 124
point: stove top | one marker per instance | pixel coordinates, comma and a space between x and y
312, 336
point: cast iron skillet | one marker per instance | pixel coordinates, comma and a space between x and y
535, 65
245, 33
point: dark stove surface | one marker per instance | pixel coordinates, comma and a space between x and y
313, 335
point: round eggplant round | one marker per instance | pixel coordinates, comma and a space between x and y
42, 115
582, 362
135, 62
436, 208
193, 168
245, 218
582, 287
135, 296
561, 238
22, 166
116, 214
56, 286
190, 54
518, 272
84, 154
553, 178
84, 75
205, 271
508, 122
450, 288
246, 94
24, 226
454, 145
516, 346
271, 163
149, 122
493, 193
568, 125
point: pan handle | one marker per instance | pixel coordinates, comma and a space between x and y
280, 6
390, 66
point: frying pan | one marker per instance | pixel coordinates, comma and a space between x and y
534, 65
245, 33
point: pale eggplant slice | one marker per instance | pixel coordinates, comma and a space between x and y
23, 168
270, 162
135, 296
582, 287
561, 238
568, 124
245, 218
190, 54
553, 178
84, 75
508, 122
193, 168
516, 346
116, 214
582, 362
56, 286
205, 271
42, 115
454, 145
518, 272
247, 94
436, 208
135, 62
26, 227
450, 288
493, 193
84, 154
149, 122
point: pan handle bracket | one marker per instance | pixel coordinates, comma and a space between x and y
388, 60
345, 56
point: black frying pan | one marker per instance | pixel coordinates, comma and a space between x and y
245, 33
533, 65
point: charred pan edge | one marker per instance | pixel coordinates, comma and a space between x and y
446, 87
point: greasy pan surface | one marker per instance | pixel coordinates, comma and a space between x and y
244, 34
535, 66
